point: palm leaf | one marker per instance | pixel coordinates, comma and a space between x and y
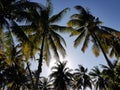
112, 53
77, 32
79, 39
46, 53
49, 7
96, 50
53, 47
58, 37
76, 23
61, 29
58, 17
76, 16
110, 30
19, 32
81, 9
86, 42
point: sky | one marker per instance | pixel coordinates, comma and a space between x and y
108, 12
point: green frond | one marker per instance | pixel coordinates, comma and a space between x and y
62, 29
77, 32
19, 32
28, 29
104, 34
105, 47
74, 33
96, 50
76, 16
26, 50
58, 37
81, 9
76, 23
60, 47
58, 17
36, 39
79, 39
49, 7
86, 42
112, 31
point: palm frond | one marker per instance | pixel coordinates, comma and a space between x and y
49, 7
76, 16
79, 39
110, 30
86, 42
76, 32
61, 29
112, 53
46, 53
58, 17
75, 23
58, 37
53, 47
81, 9
96, 50
19, 32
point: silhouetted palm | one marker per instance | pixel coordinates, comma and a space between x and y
113, 42
12, 36
82, 78
99, 81
110, 74
45, 35
61, 76
45, 84
89, 28
12, 70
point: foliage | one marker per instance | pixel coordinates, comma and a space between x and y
27, 28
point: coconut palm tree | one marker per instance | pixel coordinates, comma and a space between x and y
45, 84
12, 12
13, 72
45, 35
61, 76
82, 78
110, 74
99, 81
89, 28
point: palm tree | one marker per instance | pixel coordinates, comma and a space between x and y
45, 84
82, 78
45, 35
12, 12
110, 74
89, 28
13, 72
99, 81
61, 76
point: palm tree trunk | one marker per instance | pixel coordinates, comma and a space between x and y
107, 60
30, 75
39, 64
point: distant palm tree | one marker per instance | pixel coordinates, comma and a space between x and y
45, 84
82, 78
61, 76
99, 81
110, 74
89, 28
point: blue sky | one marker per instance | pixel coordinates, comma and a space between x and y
108, 12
